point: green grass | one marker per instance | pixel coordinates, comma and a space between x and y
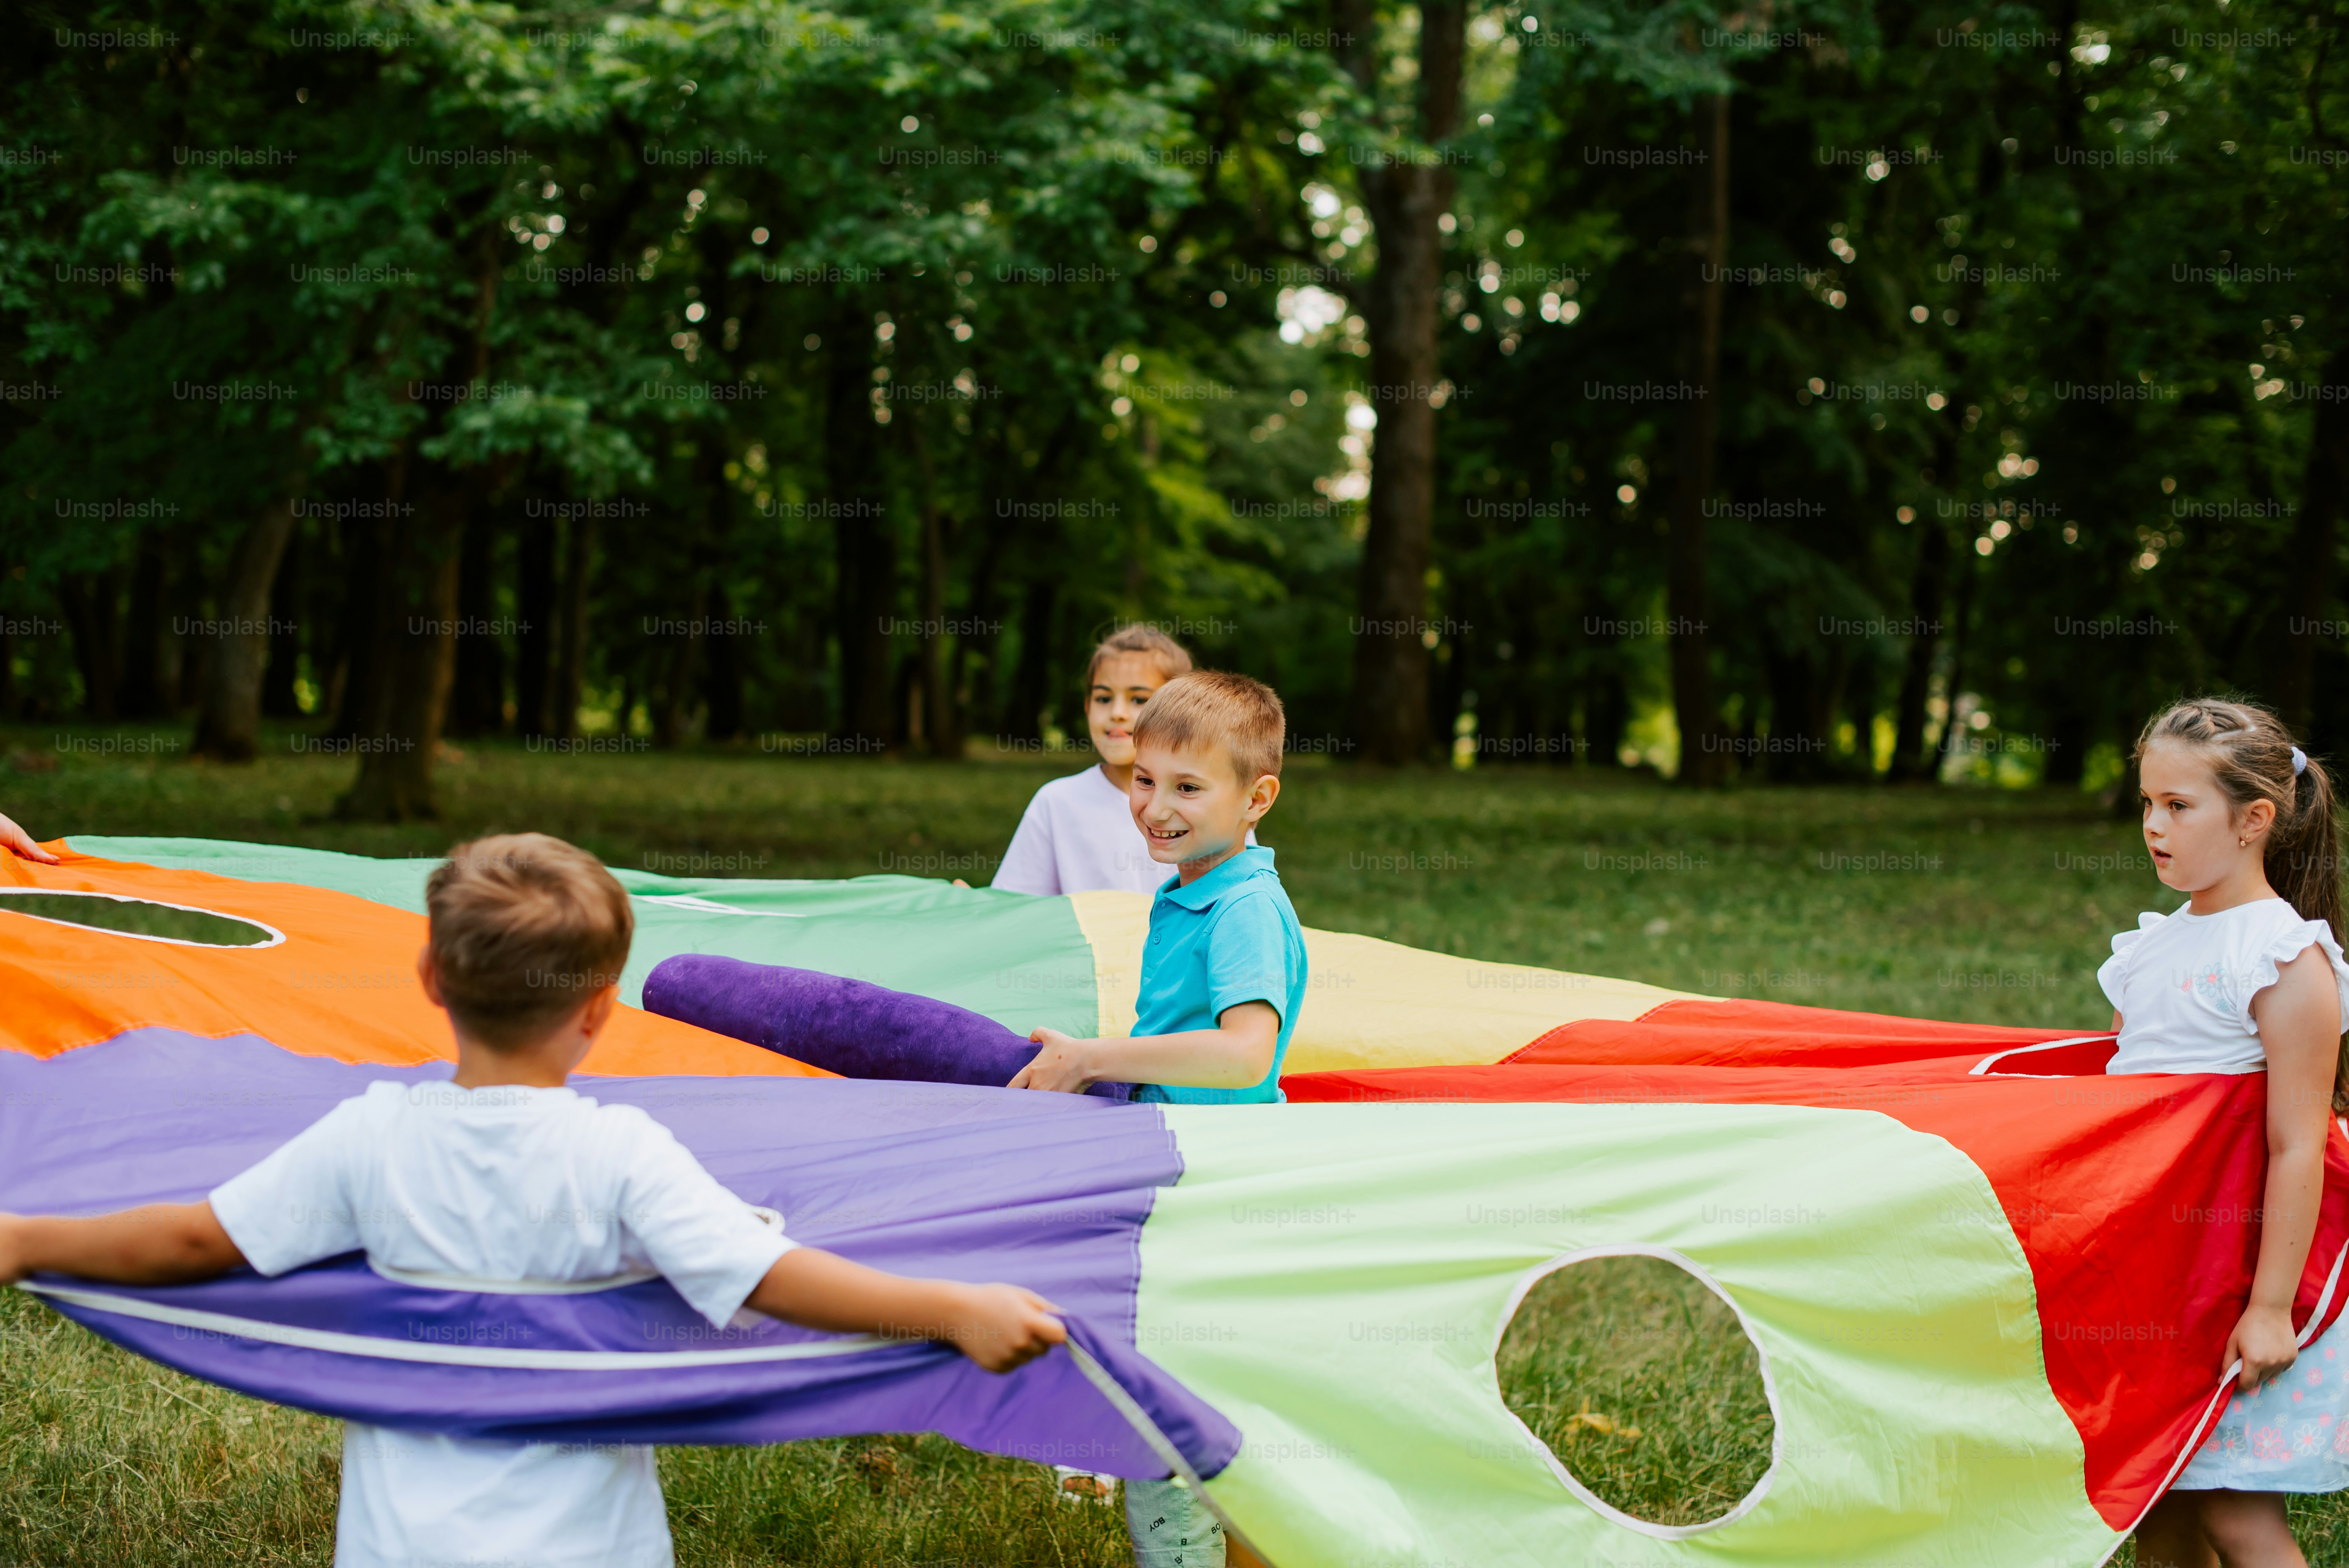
1992, 906
136, 918
1643, 1384
108, 1461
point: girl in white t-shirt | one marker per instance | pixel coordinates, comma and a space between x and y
1078, 833
2247, 976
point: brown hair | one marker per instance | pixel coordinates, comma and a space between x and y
1215, 707
1139, 637
2250, 753
524, 929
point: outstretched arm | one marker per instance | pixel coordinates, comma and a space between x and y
12, 837
2300, 1025
1235, 1054
163, 1243
999, 1326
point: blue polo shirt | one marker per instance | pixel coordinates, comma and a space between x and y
1227, 938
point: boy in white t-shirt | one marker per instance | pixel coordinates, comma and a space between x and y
503, 1176
1078, 834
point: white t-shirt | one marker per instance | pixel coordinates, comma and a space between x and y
441, 1185
2183, 984
1078, 835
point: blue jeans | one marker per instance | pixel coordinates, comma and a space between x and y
1171, 1527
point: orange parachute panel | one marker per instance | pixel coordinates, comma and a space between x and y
340, 982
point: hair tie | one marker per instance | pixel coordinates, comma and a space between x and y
2298, 762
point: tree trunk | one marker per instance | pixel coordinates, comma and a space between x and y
369, 546
1962, 636
533, 666
394, 776
1926, 590
142, 695
281, 696
700, 544
675, 694
94, 617
1806, 693
1031, 682
227, 725
571, 672
906, 702
976, 651
936, 719
477, 703
395, 780
865, 558
179, 668
2068, 747
866, 564
722, 687
2323, 488
1403, 200
1702, 762
938, 713
1605, 715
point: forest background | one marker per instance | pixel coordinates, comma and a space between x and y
1812, 391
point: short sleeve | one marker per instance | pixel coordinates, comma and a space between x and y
2114, 974
1027, 865
1247, 956
299, 1204
704, 1240
2288, 944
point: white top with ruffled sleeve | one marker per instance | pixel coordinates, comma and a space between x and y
2183, 985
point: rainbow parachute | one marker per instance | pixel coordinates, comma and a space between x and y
1989, 1285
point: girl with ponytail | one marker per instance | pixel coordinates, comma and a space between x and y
2247, 976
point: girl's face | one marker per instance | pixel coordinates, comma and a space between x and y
1121, 686
2190, 827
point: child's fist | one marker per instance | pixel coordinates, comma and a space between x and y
2263, 1341
1002, 1326
1061, 1066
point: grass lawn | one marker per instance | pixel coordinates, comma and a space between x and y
1983, 905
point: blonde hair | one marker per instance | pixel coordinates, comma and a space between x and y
1139, 637
1232, 713
2251, 755
524, 929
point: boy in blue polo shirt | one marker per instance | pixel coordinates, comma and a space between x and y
1222, 977
1224, 973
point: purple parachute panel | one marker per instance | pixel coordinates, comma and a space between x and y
1045, 1191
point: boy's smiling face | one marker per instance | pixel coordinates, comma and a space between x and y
1193, 808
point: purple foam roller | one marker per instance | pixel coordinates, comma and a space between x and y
851, 1027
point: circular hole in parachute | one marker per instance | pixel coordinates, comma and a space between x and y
138, 917
1644, 1385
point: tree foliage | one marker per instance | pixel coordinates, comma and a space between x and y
716, 369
